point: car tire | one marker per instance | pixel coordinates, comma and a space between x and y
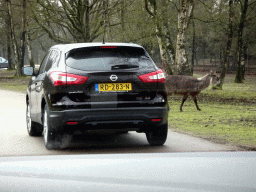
50, 140
32, 127
158, 136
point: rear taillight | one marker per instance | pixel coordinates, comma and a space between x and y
153, 77
60, 78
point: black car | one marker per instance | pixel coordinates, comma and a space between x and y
94, 86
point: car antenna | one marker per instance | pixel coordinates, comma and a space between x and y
103, 40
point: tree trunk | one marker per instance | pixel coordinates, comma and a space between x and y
9, 51
196, 58
181, 66
13, 37
162, 42
243, 61
162, 49
23, 40
229, 42
239, 75
193, 48
29, 47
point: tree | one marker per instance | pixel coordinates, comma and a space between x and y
239, 75
7, 19
228, 47
73, 20
12, 34
23, 38
181, 66
151, 8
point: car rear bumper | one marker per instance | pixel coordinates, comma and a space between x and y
111, 118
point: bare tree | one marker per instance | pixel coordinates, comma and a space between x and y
244, 7
181, 66
228, 47
8, 35
151, 7
73, 20
23, 39
12, 34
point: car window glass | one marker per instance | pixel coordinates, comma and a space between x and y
108, 59
42, 66
56, 58
51, 60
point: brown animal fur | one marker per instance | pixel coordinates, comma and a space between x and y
189, 85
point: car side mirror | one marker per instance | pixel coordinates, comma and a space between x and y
29, 71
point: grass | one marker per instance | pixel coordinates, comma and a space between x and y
228, 116
9, 82
233, 124
234, 91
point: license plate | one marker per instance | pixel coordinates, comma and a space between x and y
113, 87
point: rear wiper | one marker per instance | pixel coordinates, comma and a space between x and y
124, 66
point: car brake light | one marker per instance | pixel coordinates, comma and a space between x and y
156, 120
107, 47
153, 77
60, 78
71, 122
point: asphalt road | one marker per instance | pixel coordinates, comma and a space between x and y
14, 140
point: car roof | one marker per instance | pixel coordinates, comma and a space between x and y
67, 47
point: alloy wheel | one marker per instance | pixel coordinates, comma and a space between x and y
28, 119
45, 127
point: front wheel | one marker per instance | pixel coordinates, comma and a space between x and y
158, 136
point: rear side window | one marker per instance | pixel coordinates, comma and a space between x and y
44, 62
108, 58
53, 59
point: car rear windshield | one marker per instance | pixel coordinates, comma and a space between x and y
107, 58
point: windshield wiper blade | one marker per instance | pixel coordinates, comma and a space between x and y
124, 66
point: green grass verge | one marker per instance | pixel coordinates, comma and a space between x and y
228, 116
245, 91
219, 122
9, 82
17, 88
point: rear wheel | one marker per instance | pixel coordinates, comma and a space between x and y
33, 129
49, 136
158, 136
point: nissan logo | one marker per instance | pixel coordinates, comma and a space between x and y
113, 77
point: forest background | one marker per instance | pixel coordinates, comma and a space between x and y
178, 34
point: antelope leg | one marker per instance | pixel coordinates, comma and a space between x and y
195, 100
185, 96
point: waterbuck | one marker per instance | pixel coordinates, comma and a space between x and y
189, 85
